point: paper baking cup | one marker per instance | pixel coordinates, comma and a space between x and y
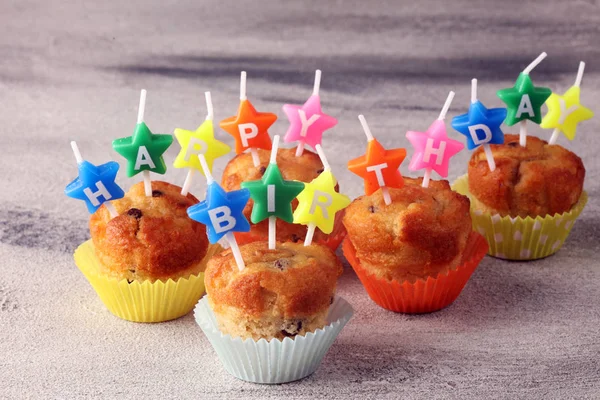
425, 295
142, 301
522, 238
276, 361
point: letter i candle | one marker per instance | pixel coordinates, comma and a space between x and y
433, 148
566, 111
249, 127
201, 141
95, 184
481, 126
319, 202
308, 122
222, 213
143, 150
272, 196
524, 100
378, 167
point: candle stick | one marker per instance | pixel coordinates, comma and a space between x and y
95, 184
272, 196
140, 119
249, 127
433, 148
524, 100
566, 112
378, 167
308, 122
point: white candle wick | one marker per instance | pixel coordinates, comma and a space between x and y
446, 106
209, 106
317, 85
580, 74
473, 90
534, 63
76, 152
243, 86
142, 106
365, 127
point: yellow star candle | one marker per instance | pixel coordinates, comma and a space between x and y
201, 141
319, 202
566, 111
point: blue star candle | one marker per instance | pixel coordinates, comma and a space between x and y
222, 212
481, 126
95, 184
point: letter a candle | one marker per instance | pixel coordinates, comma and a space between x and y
308, 122
201, 141
95, 184
319, 202
433, 148
143, 150
378, 167
249, 127
481, 126
566, 111
524, 101
222, 213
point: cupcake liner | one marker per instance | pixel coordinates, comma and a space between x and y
522, 238
275, 361
423, 296
142, 301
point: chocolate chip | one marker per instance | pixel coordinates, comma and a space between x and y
321, 170
156, 193
331, 300
291, 328
295, 238
281, 264
262, 170
372, 209
129, 282
134, 212
513, 144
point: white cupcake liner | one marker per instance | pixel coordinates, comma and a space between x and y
277, 361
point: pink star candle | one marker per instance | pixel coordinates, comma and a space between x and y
433, 148
308, 122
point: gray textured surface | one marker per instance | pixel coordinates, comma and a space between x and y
73, 71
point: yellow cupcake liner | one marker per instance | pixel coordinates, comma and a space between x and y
522, 238
142, 301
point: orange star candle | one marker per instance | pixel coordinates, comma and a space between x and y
249, 127
378, 167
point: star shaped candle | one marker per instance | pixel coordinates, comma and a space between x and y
566, 112
319, 202
481, 125
95, 184
308, 122
272, 196
249, 127
378, 167
201, 141
433, 148
524, 100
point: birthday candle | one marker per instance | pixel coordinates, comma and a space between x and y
249, 127
566, 111
524, 100
143, 150
95, 184
308, 122
319, 202
433, 148
481, 126
222, 213
272, 195
378, 167
201, 141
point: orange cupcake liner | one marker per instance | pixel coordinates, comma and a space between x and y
423, 296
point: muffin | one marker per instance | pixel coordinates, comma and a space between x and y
152, 238
280, 293
304, 169
416, 254
527, 206
539, 179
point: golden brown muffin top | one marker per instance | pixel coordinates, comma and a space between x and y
538, 179
421, 233
153, 237
292, 280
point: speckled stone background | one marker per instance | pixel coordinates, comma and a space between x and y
73, 70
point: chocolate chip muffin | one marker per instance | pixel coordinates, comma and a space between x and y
536, 180
280, 293
152, 238
422, 233
304, 169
